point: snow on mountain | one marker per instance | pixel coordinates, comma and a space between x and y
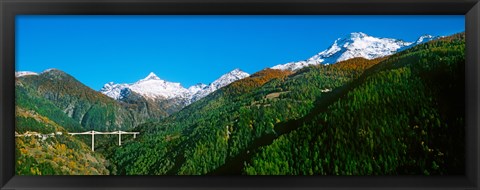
228, 78
224, 80
152, 87
196, 88
425, 38
24, 73
357, 44
113, 90
151, 76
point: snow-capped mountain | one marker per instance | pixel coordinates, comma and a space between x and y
357, 44
113, 90
224, 80
152, 87
24, 73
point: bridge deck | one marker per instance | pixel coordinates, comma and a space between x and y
93, 133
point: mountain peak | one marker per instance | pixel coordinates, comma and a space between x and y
237, 70
152, 87
228, 78
224, 80
358, 35
54, 73
151, 76
236, 73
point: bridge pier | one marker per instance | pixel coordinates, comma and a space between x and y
93, 141
119, 138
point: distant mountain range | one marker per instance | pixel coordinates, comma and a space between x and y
356, 44
168, 97
154, 88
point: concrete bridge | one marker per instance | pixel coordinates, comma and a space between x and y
119, 133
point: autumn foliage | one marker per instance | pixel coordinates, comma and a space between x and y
256, 80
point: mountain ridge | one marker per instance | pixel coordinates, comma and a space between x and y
356, 44
80, 102
152, 87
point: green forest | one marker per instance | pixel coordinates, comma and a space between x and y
395, 115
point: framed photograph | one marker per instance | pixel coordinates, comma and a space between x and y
239, 95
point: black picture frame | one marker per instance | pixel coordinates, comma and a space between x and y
10, 8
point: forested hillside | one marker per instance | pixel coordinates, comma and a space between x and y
50, 105
399, 114
394, 115
406, 116
90, 109
43, 147
217, 129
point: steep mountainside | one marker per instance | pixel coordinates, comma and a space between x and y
404, 116
379, 116
90, 109
208, 133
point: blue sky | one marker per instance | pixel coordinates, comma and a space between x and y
194, 49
